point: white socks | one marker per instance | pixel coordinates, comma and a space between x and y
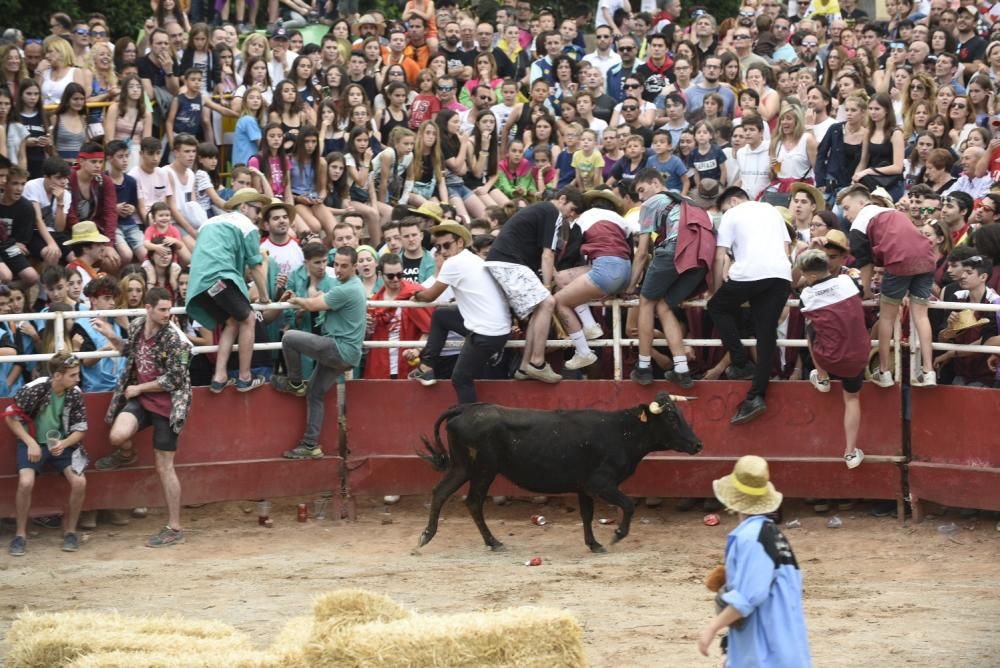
644, 361
681, 364
586, 315
579, 342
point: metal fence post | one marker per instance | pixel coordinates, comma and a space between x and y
616, 335
60, 326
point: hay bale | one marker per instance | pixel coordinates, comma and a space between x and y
287, 649
518, 637
348, 607
118, 659
56, 639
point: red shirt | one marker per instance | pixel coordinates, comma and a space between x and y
147, 370
423, 109
840, 339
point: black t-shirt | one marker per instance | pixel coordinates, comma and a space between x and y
411, 268
459, 58
528, 232
974, 49
368, 84
17, 223
604, 107
150, 70
505, 68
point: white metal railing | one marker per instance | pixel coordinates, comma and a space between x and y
617, 340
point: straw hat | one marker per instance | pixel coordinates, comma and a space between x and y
459, 231
246, 196
814, 194
608, 196
276, 203
966, 320
838, 239
86, 232
707, 192
881, 196
431, 210
748, 489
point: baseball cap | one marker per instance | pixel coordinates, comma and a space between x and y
279, 33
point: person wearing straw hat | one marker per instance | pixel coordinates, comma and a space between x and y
607, 246
967, 326
806, 202
762, 597
217, 292
838, 339
89, 248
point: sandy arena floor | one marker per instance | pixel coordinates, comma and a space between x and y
876, 594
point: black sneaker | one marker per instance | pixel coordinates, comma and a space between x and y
70, 543
682, 378
744, 372
748, 410
17, 546
642, 376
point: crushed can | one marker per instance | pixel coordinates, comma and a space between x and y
606, 520
303, 513
534, 561
711, 520
538, 520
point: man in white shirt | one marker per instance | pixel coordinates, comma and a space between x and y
753, 159
603, 58
751, 265
51, 198
282, 249
483, 316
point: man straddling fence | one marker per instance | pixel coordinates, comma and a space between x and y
342, 309
49, 420
153, 391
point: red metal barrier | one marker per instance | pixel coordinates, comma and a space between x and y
955, 450
801, 435
230, 449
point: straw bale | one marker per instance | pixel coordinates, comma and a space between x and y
231, 659
513, 638
287, 649
29, 623
347, 607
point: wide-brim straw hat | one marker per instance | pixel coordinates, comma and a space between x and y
812, 191
881, 196
458, 230
276, 203
748, 489
246, 196
705, 195
608, 196
86, 232
430, 210
966, 320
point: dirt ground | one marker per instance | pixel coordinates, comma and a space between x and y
876, 594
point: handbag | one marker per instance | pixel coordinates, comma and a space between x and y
873, 181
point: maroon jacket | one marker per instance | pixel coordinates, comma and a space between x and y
887, 238
695, 241
105, 204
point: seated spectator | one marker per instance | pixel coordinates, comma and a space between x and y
395, 323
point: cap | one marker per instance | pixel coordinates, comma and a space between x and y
279, 33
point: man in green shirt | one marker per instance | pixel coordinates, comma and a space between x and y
217, 292
49, 420
335, 351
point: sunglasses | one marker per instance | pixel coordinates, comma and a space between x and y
446, 89
81, 31
393, 276
98, 33
444, 245
960, 105
71, 362
630, 108
927, 209
741, 37
626, 48
631, 86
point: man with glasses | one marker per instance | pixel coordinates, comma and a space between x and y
395, 323
80, 40
627, 49
656, 73
603, 57
481, 314
743, 45
485, 35
49, 420
154, 391
217, 293
986, 211
711, 70
336, 349
60, 24
785, 52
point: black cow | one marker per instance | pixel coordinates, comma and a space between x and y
551, 452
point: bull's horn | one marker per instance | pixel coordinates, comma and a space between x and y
677, 398
655, 408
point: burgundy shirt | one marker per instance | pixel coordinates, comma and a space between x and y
887, 238
840, 340
147, 371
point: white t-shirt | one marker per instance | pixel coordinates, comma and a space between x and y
34, 191
287, 256
755, 168
612, 6
819, 130
183, 192
756, 234
152, 188
483, 307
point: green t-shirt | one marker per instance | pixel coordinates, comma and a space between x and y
345, 321
227, 245
50, 418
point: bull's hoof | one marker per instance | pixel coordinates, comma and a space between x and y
498, 547
415, 552
617, 537
597, 548
424, 539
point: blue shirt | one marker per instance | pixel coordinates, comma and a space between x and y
672, 169
246, 140
127, 192
764, 584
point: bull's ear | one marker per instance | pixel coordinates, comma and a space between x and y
676, 398
643, 417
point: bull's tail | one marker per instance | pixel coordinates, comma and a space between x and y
437, 454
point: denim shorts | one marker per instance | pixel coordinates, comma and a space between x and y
894, 288
425, 190
610, 274
130, 235
59, 463
459, 190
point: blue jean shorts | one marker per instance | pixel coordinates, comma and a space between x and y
459, 190
610, 274
57, 463
894, 288
130, 235
426, 190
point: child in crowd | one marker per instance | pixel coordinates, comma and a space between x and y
207, 180
246, 137
516, 176
160, 269
588, 162
707, 159
630, 163
670, 166
273, 163
188, 115
308, 184
161, 226
128, 236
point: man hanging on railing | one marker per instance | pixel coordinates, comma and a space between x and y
153, 391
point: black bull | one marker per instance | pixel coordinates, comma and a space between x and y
551, 452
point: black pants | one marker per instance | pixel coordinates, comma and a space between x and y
477, 351
767, 298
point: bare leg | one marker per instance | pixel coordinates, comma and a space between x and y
226, 340
77, 491
306, 218
25, 483
475, 206
924, 334
246, 346
886, 321
672, 330
579, 290
538, 331
852, 421
171, 487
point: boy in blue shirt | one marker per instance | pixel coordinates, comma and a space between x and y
128, 235
669, 165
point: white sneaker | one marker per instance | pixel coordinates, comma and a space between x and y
391, 500
924, 379
882, 378
854, 459
821, 384
593, 332
579, 361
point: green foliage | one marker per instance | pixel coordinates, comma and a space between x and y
125, 17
